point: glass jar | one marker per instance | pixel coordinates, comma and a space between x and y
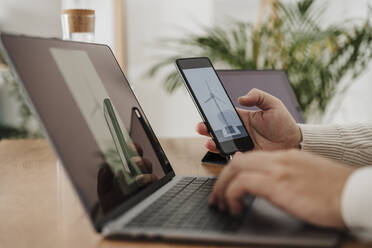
78, 24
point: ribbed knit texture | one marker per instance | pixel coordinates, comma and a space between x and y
350, 144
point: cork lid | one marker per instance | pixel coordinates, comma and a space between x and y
80, 12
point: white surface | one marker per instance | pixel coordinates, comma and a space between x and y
357, 204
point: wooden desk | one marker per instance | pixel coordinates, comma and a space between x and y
39, 208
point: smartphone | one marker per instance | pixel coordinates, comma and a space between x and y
215, 106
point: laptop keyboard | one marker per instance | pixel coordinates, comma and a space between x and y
185, 206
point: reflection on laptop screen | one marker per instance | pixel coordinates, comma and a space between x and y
93, 119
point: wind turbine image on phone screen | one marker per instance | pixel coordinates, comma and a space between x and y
215, 99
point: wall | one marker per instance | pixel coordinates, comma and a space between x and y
175, 115
42, 18
147, 22
353, 106
37, 17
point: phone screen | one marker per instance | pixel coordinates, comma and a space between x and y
217, 108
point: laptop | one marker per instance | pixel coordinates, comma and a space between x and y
115, 162
239, 82
274, 82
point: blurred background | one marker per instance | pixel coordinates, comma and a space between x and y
325, 46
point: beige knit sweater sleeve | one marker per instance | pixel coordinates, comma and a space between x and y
350, 144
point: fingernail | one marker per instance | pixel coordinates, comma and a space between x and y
238, 153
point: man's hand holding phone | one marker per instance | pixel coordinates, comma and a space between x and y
271, 128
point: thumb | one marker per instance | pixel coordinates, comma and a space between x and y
259, 99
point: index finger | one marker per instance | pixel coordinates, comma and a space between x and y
240, 162
252, 183
227, 173
202, 129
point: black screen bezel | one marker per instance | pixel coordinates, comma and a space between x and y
120, 209
242, 144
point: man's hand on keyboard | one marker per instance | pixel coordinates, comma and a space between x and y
295, 181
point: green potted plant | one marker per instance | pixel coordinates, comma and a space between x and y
316, 58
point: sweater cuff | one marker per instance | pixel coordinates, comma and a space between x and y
356, 203
322, 140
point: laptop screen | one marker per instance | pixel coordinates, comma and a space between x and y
275, 82
93, 120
